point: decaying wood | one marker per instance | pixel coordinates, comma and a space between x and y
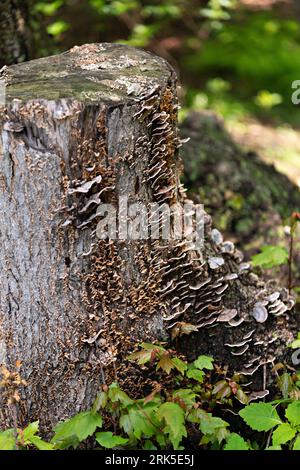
91, 125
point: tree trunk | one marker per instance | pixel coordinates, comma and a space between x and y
14, 37
80, 130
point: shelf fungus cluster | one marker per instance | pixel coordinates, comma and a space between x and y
167, 288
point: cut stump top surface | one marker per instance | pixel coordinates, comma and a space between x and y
90, 73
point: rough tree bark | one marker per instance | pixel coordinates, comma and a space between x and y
14, 34
90, 125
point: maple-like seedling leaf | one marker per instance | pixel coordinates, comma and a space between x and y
260, 416
140, 422
28, 436
204, 362
40, 444
117, 395
180, 365
165, 363
195, 374
30, 431
109, 441
81, 426
141, 357
270, 256
173, 416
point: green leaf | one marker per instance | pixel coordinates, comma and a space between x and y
270, 256
283, 434
222, 389
210, 424
173, 415
260, 416
186, 395
293, 413
28, 436
285, 384
116, 394
195, 374
30, 431
148, 445
140, 422
236, 442
204, 362
274, 448
295, 344
213, 428
242, 397
141, 357
81, 426
109, 441
196, 415
100, 402
40, 444
57, 28
296, 445
165, 363
7, 440
180, 365
151, 347
48, 9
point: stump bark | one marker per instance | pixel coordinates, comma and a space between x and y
82, 129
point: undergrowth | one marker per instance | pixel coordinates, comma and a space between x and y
189, 415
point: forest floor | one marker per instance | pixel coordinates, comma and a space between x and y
276, 145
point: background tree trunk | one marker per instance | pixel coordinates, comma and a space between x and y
91, 125
14, 34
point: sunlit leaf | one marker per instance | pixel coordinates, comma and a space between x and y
7, 440
284, 433
109, 441
236, 442
260, 416
81, 426
173, 416
204, 362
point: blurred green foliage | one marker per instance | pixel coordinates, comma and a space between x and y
232, 59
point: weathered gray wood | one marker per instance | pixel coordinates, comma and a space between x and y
72, 305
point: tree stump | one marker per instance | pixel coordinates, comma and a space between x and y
86, 128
